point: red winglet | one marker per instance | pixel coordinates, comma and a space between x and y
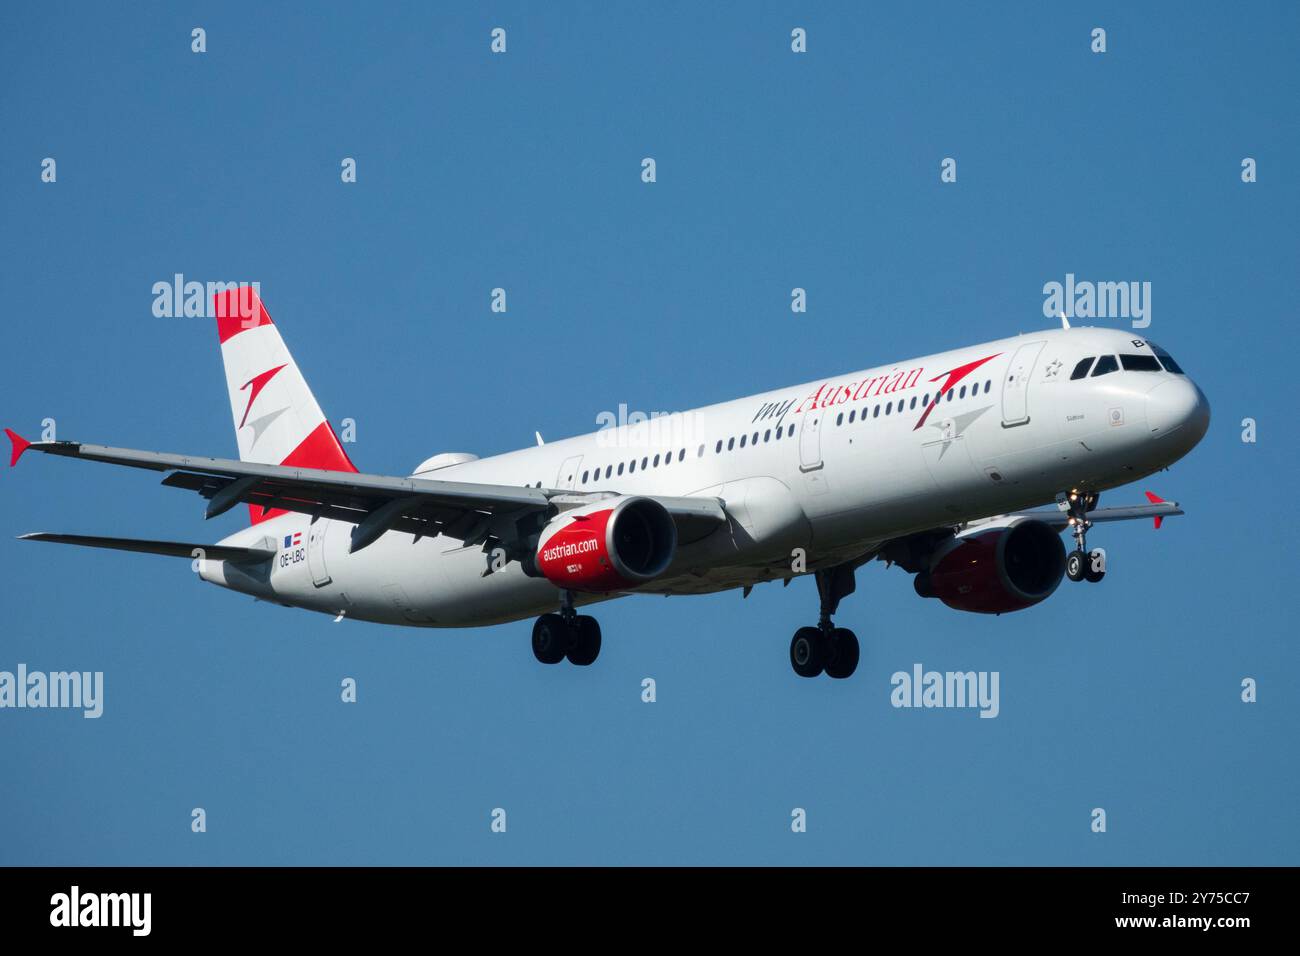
20, 444
1155, 499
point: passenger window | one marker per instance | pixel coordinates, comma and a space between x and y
950, 395
779, 429
620, 467
963, 392
609, 470
1139, 363
876, 412
681, 455
742, 440
839, 419
656, 462
988, 385
718, 450
767, 436
584, 477
632, 467
754, 439
700, 455
1105, 365
731, 443
1081, 370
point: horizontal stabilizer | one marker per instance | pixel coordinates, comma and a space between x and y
174, 549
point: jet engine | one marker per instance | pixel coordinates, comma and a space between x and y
996, 570
610, 545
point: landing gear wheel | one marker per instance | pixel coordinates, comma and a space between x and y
550, 638
808, 651
586, 647
1096, 568
843, 654
1076, 566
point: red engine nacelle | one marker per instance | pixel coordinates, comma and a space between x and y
608, 546
998, 570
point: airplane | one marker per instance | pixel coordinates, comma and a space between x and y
961, 468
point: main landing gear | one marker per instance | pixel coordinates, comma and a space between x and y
1082, 564
567, 634
827, 648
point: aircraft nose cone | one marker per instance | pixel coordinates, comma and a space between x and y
1178, 406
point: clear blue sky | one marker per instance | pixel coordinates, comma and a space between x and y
523, 171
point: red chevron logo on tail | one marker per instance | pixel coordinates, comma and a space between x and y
258, 382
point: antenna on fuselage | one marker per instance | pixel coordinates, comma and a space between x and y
1065, 323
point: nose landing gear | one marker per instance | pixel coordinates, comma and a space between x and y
567, 634
826, 648
1082, 564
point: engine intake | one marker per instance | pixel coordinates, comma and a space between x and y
608, 547
997, 570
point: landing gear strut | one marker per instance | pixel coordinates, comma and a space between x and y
567, 634
1082, 564
827, 648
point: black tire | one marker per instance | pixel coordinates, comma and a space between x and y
586, 647
1076, 565
550, 638
1090, 575
844, 654
808, 651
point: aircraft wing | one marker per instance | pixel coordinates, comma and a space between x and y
1158, 509
468, 511
173, 549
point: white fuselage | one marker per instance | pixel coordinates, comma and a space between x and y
833, 467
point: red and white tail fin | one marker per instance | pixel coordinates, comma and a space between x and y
277, 419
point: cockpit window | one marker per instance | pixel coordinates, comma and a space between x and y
1166, 359
1105, 365
1140, 363
1081, 369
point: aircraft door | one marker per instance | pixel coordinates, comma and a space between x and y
810, 440
568, 473
1015, 386
320, 575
